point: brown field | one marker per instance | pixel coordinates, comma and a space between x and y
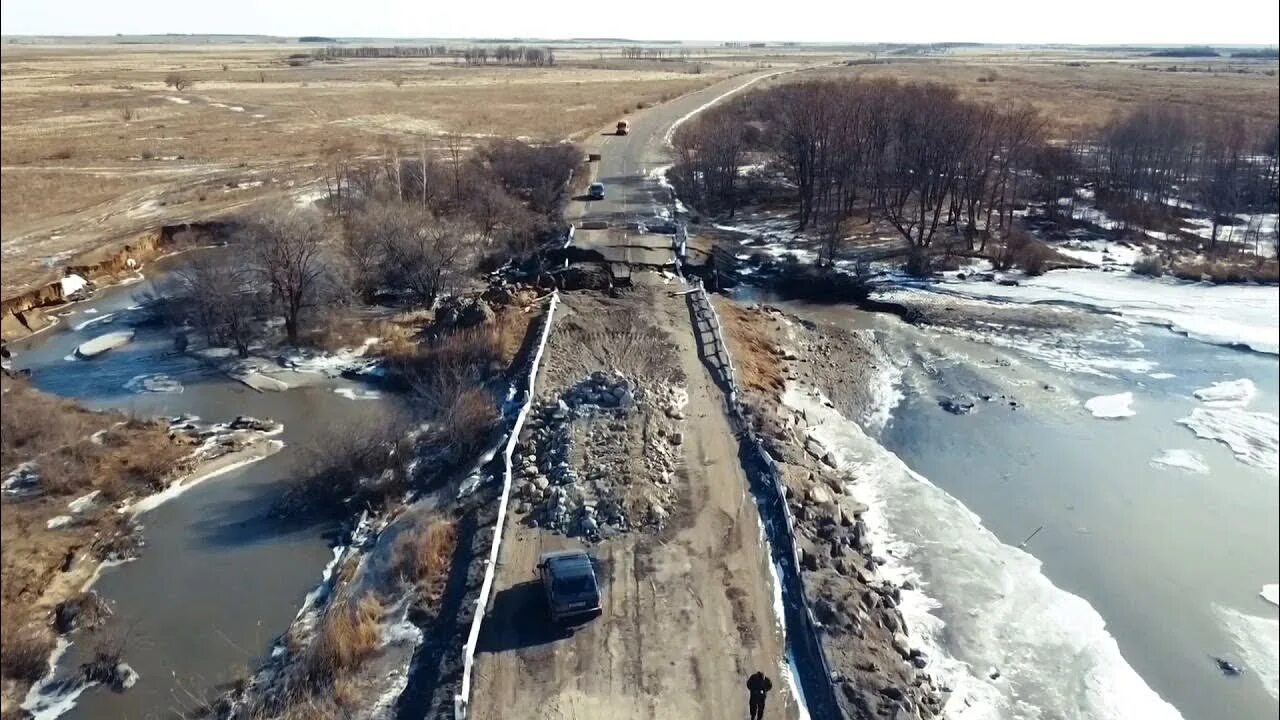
96, 146
1077, 93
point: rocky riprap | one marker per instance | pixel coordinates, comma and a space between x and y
600, 458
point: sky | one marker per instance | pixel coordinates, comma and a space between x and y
999, 21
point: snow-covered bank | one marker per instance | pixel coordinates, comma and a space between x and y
989, 612
1236, 315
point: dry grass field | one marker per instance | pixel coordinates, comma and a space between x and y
1077, 93
96, 145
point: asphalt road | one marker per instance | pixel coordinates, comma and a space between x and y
629, 167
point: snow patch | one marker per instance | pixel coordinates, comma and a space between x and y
1233, 315
1271, 593
58, 521
84, 502
1115, 406
178, 100
151, 502
72, 284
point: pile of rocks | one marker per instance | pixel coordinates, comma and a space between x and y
576, 471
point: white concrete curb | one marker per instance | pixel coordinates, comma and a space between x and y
461, 700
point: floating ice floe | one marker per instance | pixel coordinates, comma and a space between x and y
1111, 407
357, 393
1258, 640
155, 383
1182, 460
1230, 393
103, 343
1253, 436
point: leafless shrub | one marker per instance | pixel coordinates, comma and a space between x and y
127, 114
1150, 265
1034, 257
354, 463
106, 652
1011, 248
178, 81
24, 651
427, 261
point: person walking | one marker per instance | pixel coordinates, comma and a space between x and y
759, 686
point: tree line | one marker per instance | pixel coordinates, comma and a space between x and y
510, 55
475, 55
372, 51
926, 161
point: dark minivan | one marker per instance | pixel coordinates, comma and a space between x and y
570, 583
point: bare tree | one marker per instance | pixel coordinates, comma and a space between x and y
1221, 178
338, 158
929, 141
288, 249
221, 295
456, 144
427, 260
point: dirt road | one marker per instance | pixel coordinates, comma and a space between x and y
687, 609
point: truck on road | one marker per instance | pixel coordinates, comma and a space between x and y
624, 127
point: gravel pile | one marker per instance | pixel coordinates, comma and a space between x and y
600, 458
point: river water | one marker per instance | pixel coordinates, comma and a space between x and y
218, 577
1143, 571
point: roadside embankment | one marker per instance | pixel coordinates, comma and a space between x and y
866, 644
384, 633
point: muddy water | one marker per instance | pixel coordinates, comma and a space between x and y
1166, 557
218, 578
